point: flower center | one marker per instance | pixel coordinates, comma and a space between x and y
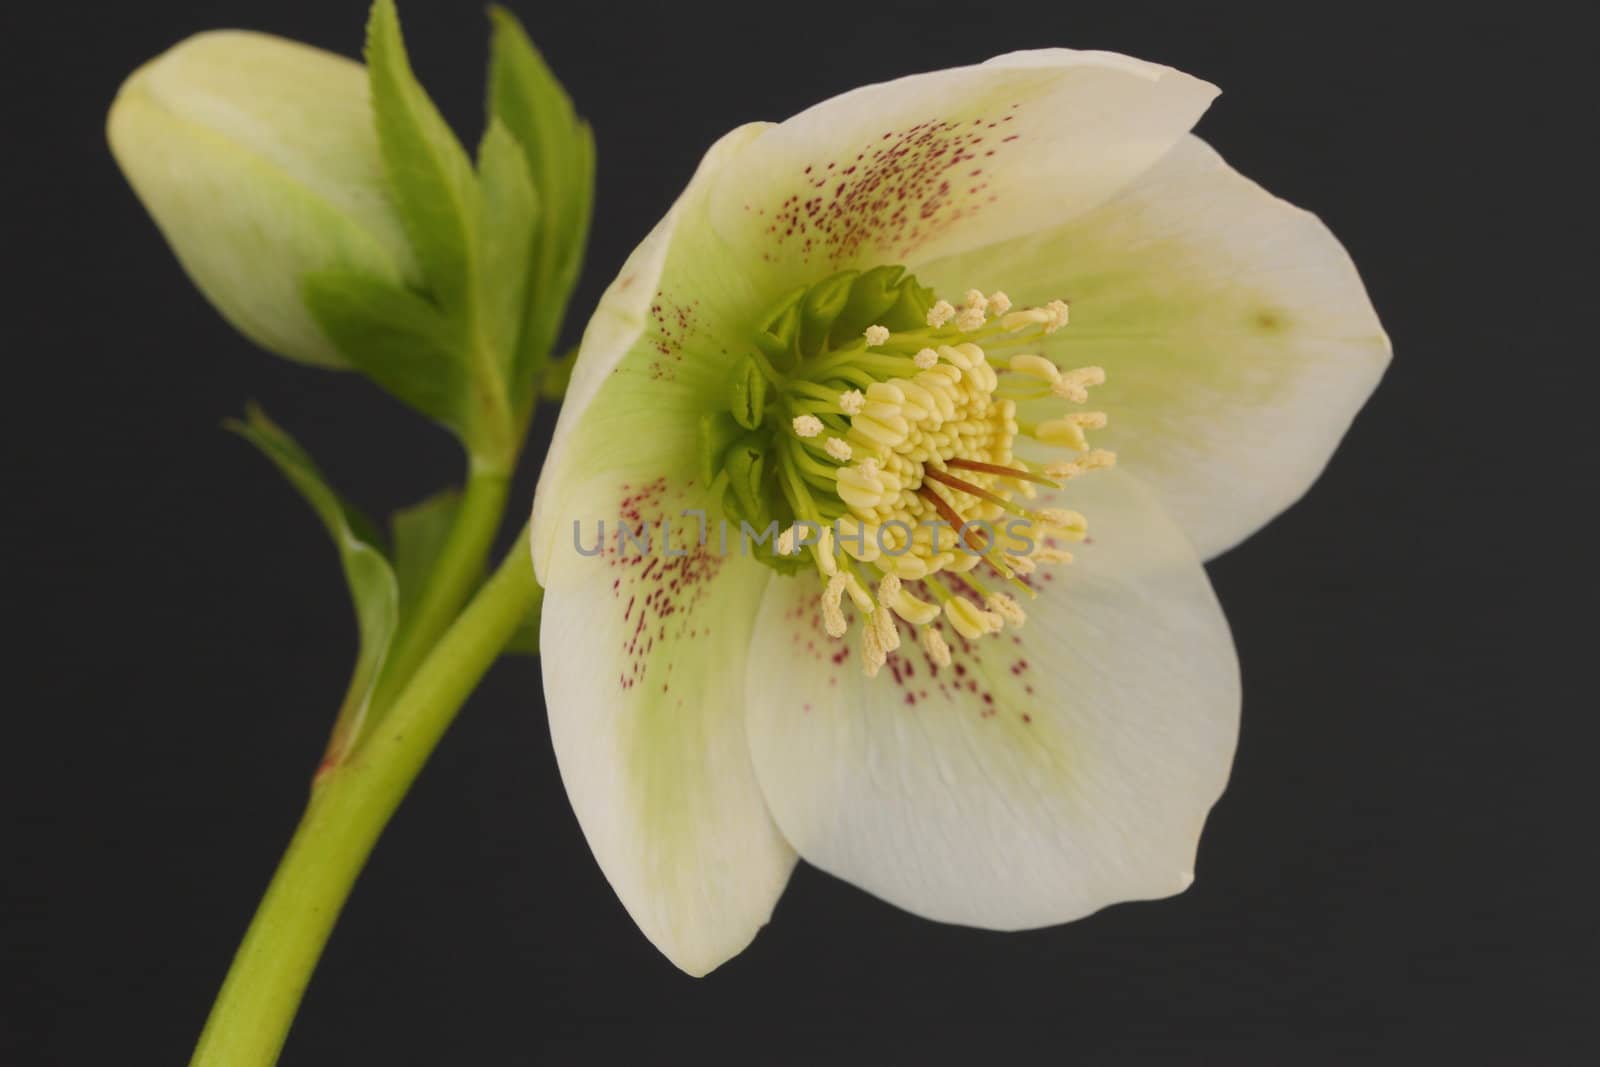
871, 428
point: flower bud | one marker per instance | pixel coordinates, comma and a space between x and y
258, 159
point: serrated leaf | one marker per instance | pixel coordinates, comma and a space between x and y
420, 532
507, 238
374, 590
429, 173
396, 338
527, 98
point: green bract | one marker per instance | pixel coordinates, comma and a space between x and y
862, 312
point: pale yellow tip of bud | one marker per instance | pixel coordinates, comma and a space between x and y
259, 161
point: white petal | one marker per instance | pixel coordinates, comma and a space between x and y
643, 656
643, 659
1084, 782
935, 163
653, 350
1237, 337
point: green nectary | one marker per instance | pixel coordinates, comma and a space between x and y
792, 360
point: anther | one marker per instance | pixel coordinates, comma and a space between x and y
969, 620
824, 554
915, 611
1006, 607
850, 402
934, 645
838, 448
1067, 432
1068, 523
1018, 320
888, 633
1093, 460
833, 619
1035, 367
925, 358
941, 313
873, 657
876, 335
1023, 565
807, 425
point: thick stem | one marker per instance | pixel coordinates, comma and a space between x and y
350, 805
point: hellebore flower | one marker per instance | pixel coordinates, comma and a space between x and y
854, 325
258, 159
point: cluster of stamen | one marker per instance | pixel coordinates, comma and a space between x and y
909, 436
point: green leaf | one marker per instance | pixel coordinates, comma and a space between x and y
557, 375
506, 238
526, 97
396, 338
420, 532
525, 640
373, 587
429, 173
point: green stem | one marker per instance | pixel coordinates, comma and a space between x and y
455, 575
350, 805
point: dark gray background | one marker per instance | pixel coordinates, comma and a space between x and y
1398, 873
